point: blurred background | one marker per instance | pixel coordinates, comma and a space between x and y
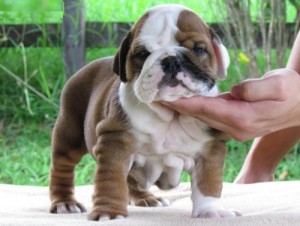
42, 43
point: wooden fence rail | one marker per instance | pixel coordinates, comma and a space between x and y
97, 34
44, 35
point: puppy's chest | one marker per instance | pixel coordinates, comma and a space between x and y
165, 149
178, 137
182, 137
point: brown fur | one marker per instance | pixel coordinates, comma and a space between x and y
193, 31
75, 133
91, 119
209, 168
122, 65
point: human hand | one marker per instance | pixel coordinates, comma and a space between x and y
253, 108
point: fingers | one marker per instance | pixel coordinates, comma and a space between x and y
199, 105
226, 96
267, 88
223, 113
211, 110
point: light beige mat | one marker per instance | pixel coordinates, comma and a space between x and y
275, 203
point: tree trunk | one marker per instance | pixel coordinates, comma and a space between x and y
73, 36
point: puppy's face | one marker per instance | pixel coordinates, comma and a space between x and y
171, 53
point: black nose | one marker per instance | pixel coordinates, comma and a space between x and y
171, 65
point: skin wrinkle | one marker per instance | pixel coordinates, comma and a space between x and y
189, 36
187, 67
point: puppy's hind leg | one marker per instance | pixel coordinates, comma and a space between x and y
143, 198
68, 147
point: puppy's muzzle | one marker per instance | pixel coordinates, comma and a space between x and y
171, 66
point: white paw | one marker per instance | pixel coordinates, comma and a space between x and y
119, 217
152, 202
107, 218
66, 208
163, 202
104, 218
215, 213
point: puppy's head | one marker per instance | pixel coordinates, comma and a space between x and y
171, 53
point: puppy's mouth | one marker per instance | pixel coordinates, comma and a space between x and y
182, 79
169, 78
172, 66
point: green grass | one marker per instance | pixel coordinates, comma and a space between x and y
114, 10
127, 11
25, 156
27, 120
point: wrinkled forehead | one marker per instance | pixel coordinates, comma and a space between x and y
162, 27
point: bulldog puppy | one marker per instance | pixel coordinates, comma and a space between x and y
112, 109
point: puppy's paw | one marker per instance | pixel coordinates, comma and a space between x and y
67, 207
215, 213
152, 201
99, 214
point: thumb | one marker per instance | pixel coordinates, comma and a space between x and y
267, 88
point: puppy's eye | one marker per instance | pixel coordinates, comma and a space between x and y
199, 50
141, 54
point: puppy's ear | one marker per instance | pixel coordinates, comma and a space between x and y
222, 56
119, 64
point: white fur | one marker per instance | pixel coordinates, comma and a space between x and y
225, 57
159, 28
225, 60
105, 218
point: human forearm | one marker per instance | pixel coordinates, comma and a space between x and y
271, 148
265, 154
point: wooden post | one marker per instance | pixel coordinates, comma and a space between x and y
73, 36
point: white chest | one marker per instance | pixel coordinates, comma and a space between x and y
164, 150
183, 135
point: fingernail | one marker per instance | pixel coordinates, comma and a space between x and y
236, 92
165, 103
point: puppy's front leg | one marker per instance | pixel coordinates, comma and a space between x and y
110, 197
207, 183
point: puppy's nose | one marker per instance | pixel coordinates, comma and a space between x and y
171, 65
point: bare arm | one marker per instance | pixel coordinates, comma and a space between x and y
294, 60
265, 154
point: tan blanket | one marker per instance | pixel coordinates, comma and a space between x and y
276, 203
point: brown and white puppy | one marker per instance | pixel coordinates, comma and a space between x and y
168, 54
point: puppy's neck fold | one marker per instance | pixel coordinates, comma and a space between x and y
133, 106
